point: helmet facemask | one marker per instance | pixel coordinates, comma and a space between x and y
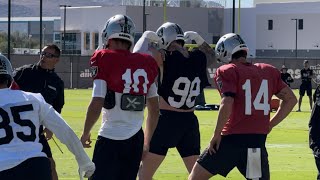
6, 71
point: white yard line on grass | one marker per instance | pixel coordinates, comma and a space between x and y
287, 145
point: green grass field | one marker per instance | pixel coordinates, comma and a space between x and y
289, 155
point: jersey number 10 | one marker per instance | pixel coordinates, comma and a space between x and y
129, 84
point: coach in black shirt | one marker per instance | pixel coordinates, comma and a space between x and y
41, 78
306, 76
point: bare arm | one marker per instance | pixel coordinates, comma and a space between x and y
224, 113
209, 52
223, 116
152, 119
289, 100
93, 113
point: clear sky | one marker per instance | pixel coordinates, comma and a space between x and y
244, 3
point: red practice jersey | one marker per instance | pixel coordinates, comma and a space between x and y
124, 72
14, 86
252, 86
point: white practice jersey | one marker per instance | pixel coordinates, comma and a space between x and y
21, 114
118, 124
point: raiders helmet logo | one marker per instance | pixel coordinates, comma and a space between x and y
94, 70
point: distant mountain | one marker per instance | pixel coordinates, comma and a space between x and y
30, 8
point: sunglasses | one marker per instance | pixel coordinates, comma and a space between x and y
48, 55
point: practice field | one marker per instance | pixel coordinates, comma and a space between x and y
289, 155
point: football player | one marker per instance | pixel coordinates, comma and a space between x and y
314, 129
123, 83
183, 76
244, 115
22, 114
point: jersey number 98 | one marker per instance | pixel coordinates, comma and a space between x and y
191, 89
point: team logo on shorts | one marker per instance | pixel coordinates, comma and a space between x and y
94, 70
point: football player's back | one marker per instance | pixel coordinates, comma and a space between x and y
244, 115
255, 85
124, 83
118, 65
24, 108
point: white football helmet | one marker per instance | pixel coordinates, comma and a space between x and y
169, 32
6, 69
119, 27
228, 45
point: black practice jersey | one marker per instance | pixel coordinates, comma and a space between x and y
183, 78
305, 75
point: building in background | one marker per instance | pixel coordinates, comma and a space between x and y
86, 23
271, 28
29, 27
255, 2
288, 30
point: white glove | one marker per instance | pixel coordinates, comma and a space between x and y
191, 35
152, 36
87, 170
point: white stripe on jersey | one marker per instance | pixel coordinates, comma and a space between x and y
99, 88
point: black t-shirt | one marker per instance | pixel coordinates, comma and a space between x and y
183, 78
305, 75
32, 78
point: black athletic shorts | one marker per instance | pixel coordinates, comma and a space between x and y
118, 159
232, 153
37, 168
305, 87
176, 129
46, 148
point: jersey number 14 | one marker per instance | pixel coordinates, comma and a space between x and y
261, 100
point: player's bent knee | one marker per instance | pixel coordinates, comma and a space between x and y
199, 173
